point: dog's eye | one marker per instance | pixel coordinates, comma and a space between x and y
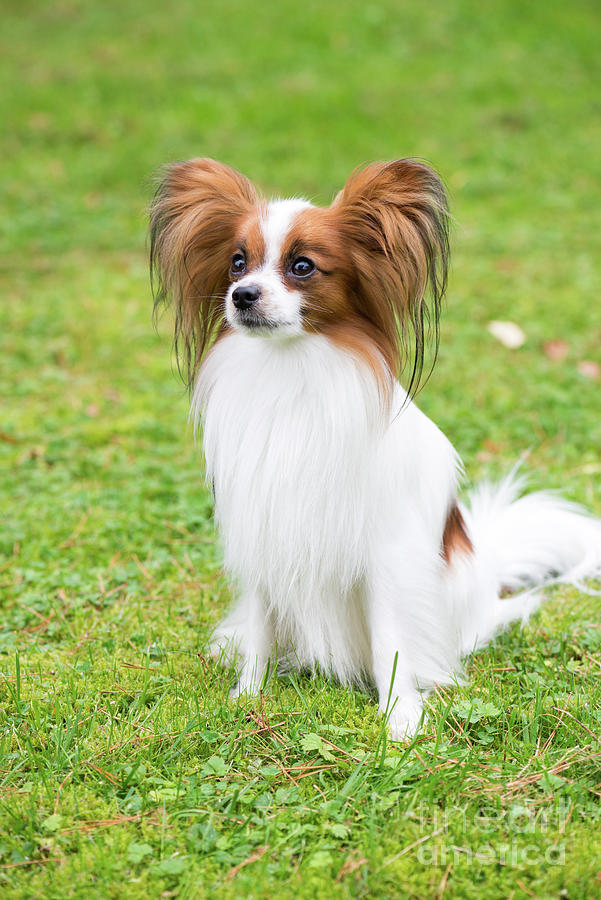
302, 267
238, 264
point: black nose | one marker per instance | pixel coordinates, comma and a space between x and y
244, 297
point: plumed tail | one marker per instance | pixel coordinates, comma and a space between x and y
522, 542
533, 539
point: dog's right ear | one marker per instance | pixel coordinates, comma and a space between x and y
194, 217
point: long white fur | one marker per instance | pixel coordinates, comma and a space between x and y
332, 514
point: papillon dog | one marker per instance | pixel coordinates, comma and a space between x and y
335, 497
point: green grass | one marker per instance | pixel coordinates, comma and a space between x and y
125, 771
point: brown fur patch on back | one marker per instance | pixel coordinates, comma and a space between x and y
455, 538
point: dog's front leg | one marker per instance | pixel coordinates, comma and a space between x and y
246, 636
398, 696
407, 629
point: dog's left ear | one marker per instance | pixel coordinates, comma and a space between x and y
395, 217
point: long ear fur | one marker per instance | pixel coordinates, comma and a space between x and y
193, 220
395, 216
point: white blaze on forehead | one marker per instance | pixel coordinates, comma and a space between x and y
276, 224
277, 304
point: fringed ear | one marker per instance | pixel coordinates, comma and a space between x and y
194, 216
395, 217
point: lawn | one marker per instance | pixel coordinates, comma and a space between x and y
125, 770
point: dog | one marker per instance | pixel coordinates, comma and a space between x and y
335, 496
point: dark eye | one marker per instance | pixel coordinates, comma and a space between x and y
302, 267
238, 264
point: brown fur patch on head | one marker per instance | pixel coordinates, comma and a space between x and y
377, 249
393, 219
331, 303
196, 217
455, 538
326, 294
250, 239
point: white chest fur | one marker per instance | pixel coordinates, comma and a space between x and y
290, 433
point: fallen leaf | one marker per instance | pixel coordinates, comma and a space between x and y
33, 453
353, 862
510, 334
490, 449
38, 121
491, 446
556, 350
589, 369
507, 264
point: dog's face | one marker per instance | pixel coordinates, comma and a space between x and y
356, 271
289, 272
268, 272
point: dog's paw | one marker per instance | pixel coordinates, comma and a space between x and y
224, 649
252, 678
246, 688
406, 717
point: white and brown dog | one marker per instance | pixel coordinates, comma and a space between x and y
336, 498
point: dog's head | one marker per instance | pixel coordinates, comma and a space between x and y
358, 271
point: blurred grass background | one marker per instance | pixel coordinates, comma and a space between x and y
109, 558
